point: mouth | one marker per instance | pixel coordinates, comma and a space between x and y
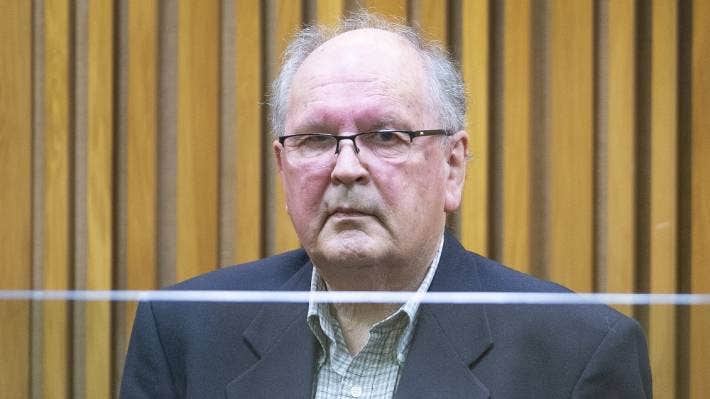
344, 213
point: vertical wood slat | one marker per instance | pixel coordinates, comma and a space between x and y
516, 139
15, 197
571, 144
141, 151
662, 223
328, 12
475, 54
700, 200
287, 18
100, 240
167, 140
249, 132
56, 215
620, 221
198, 137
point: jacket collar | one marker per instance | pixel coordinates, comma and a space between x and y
448, 341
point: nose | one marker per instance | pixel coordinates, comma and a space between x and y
348, 169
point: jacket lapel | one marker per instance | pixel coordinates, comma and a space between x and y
280, 337
449, 339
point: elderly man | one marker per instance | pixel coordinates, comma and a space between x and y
371, 150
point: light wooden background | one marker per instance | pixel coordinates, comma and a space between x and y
134, 153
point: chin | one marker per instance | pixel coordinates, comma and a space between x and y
349, 250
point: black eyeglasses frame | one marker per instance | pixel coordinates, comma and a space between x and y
411, 133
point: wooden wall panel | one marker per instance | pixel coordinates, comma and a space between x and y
100, 197
198, 137
328, 12
662, 223
619, 192
56, 225
141, 267
699, 345
516, 134
392, 8
571, 144
250, 136
16, 193
553, 78
475, 58
431, 17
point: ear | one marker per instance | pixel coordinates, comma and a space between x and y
457, 157
278, 157
278, 152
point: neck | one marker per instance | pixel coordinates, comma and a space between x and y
356, 319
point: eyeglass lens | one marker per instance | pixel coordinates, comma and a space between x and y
312, 147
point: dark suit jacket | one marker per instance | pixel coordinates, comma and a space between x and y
215, 350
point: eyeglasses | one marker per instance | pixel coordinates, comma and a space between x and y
391, 145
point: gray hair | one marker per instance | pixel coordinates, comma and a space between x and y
448, 93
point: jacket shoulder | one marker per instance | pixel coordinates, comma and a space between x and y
497, 277
592, 349
263, 274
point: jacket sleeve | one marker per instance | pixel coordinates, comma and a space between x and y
146, 373
619, 368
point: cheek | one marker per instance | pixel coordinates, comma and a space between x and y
304, 190
415, 192
405, 191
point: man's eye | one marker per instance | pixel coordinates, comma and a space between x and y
385, 136
316, 140
388, 138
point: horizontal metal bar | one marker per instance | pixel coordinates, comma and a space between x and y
358, 297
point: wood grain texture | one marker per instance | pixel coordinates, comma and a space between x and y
198, 137
567, 92
571, 144
620, 146
475, 54
141, 151
516, 138
56, 224
663, 223
700, 201
288, 18
100, 239
16, 193
328, 12
430, 16
388, 8
249, 133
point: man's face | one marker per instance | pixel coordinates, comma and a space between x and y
359, 210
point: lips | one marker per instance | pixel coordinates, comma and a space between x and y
348, 212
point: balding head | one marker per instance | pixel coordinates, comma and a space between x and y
375, 61
442, 80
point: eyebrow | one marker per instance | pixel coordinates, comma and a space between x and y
316, 124
384, 123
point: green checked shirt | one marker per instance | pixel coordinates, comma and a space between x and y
374, 372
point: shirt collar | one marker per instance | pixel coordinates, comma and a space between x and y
322, 323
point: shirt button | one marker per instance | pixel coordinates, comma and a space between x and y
355, 391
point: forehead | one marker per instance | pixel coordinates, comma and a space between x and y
358, 75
